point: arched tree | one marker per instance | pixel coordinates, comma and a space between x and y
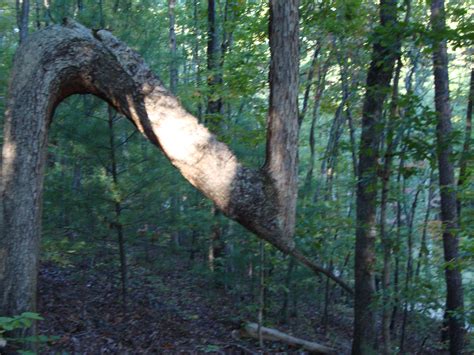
68, 59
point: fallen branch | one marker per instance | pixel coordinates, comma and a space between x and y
251, 330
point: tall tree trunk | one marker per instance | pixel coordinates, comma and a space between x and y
172, 45
281, 154
449, 217
378, 81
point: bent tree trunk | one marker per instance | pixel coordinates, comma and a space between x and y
60, 61
70, 59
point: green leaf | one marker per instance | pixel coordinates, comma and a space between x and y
32, 315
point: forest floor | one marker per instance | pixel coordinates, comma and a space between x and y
168, 311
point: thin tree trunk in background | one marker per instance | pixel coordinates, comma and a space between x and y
101, 14
227, 31
396, 276
47, 13
409, 270
214, 79
329, 162
173, 65
309, 83
261, 292
463, 165
216, 243
284, 313
348, 88
353, 142
449, 217
392, 144
384, 234
117, 224
215, 108
23, 11
37, 14
378, 81
423, 245
173, 73
213, 112
327, 300
320, 86
80, 6
196, 59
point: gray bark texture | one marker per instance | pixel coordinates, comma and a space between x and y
68, 59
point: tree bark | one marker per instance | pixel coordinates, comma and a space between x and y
449, 216
378, 81
283, 126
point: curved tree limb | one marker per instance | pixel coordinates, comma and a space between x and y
68, 59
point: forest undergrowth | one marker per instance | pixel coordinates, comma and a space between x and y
173, 307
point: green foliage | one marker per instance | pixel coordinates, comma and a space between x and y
21, 322
24, 320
